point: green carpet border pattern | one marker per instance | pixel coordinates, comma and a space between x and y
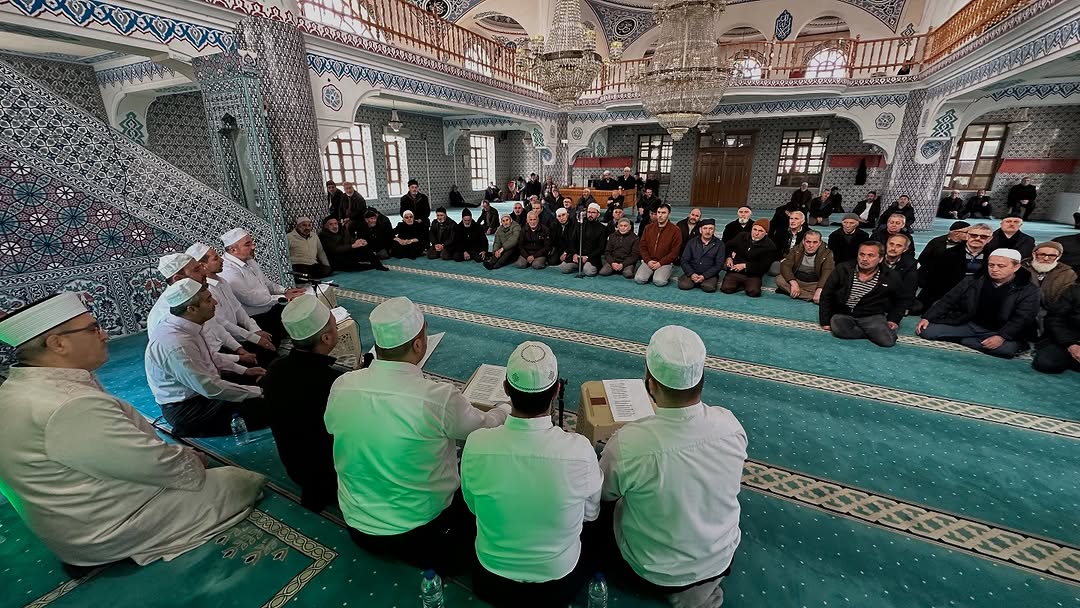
63, 589
681, 308
1023, 420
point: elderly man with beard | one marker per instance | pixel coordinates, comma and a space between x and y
535, 243
688, 226
993, 313
441, 236
1059, 350
518, 214
586, 246
306, 251
806, 269
742, 224
703, 259
622, 252
902, 206
363, 249
410, 238
470, 242
748, 258
1048, 273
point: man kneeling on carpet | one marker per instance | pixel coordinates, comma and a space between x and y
531, 486
90, 476
863, 298
683, 466
702, 259
586, 244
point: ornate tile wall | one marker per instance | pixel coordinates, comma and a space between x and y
75, 82
921, 182
176, 131
623, 141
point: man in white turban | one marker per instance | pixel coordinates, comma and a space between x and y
684, 464
395, 452
262, 298
85, 471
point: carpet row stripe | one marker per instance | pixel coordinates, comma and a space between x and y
1012, 547
681, 308
1033, 422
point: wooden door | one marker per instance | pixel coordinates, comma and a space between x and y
707, 180
722, 173
735, 177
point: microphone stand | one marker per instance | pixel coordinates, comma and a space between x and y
581, 245
562, 400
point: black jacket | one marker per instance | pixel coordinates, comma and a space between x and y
333, 201
351, 207
1062, 324
622, 249
442, 233
471, 238
648, 203
296, 419
935, 249
875, 210
782, 240
940, 274
950, 205
1020, 192
491, 194
533, 188
1018, 310
415, 231
488, 220
593, 242
1071, 256
820, 208
844, 247
560, 240
534, 242
1024, 243
706, 260
338, 245
885, 299
978, 204
380, 237
420, 206
628, 183
757, 255
734, 228
800, 199
907, 269
908, 213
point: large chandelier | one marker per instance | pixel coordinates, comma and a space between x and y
566, 63
686, 77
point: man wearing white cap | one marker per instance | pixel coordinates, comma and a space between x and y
504, 249
296, 387
676, 478
531, 486
306, 251
262, 298
586, 244
394, 446
90, 476
992, 313
193, 396
230, 313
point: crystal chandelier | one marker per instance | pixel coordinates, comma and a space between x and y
686, 77
566, 63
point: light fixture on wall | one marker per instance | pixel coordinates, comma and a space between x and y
395, 123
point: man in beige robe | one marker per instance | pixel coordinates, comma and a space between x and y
84, 470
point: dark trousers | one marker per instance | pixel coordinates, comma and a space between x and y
203, 417
970, 335
505, 593
410, 251
445, 254
509, 256
271, 321
708, 285
736, 281
361, 259
444, 544
874, 328
315, 271
1026, 210
477, 255
1053, 358
262, 355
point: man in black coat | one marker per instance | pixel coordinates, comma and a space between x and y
978, 206
333, 197
844, 241
533, 187
900, 258
1009, 236
1059, 349
703, 259
1071, 245
351, 206
896, 224
561, 231
350, 250
417, 202
951, 207
441, 236
489, 218
937, 246
587, 241
940, 273
647, 204
1022, 198
863, 299
748, 258
743, 223
377, 231
868, 210
786, 237
800, 199
993, 313
902, 206
534, 244
470, 239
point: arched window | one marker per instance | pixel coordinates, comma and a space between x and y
749, 67
348, 15
827, 63
476, 59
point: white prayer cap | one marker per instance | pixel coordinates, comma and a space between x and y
1012, 254
595, 206
395, 322
198, 251
302, 219
676, 357
532, 368
182, 291
234, 236
172, 263
561, 211
304, 317
31, 321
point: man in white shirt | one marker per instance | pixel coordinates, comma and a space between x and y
676, 478
193, 397
531, 486
394, 447
262, 298
230, 313
89, 474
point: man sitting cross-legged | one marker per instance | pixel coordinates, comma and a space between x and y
86, 472
900, 259
675, 477
863, 299
806, 269
661, 244
441, 236
535, 243
395, 451
561, 232
1059, 349
532, 487
941, 271
621, 252
1009, 236
507, 239
703, 259
586, 244
844, 241
743, 223
748, 258
992, 313
306, 251
470, 241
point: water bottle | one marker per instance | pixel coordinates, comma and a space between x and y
598, 592
239, 429
431, 590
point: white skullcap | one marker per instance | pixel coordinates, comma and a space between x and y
676, 357
532, 368
304, 317
198, 251
594, 206
407, 212
302, 219
182, 291
395, 322
234, 236
561, 211
172, 263
1012, 254
31, 321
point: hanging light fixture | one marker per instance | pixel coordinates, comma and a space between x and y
566, 63
395, 123
686, 77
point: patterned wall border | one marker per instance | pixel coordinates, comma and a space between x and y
134, 72
127, 21
479, 122
850, 388
763, 107
1042, 91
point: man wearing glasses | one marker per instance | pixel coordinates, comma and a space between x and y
941, 273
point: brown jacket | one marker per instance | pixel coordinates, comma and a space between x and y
1054, 283
662, 245
823, 264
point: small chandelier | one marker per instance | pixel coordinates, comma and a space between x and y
686, 77
566, 64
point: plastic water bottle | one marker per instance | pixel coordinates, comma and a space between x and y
431, 590
239, 429
598, 592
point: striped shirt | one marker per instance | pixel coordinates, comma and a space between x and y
860, 288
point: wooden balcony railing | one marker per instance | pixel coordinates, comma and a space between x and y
968, 24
